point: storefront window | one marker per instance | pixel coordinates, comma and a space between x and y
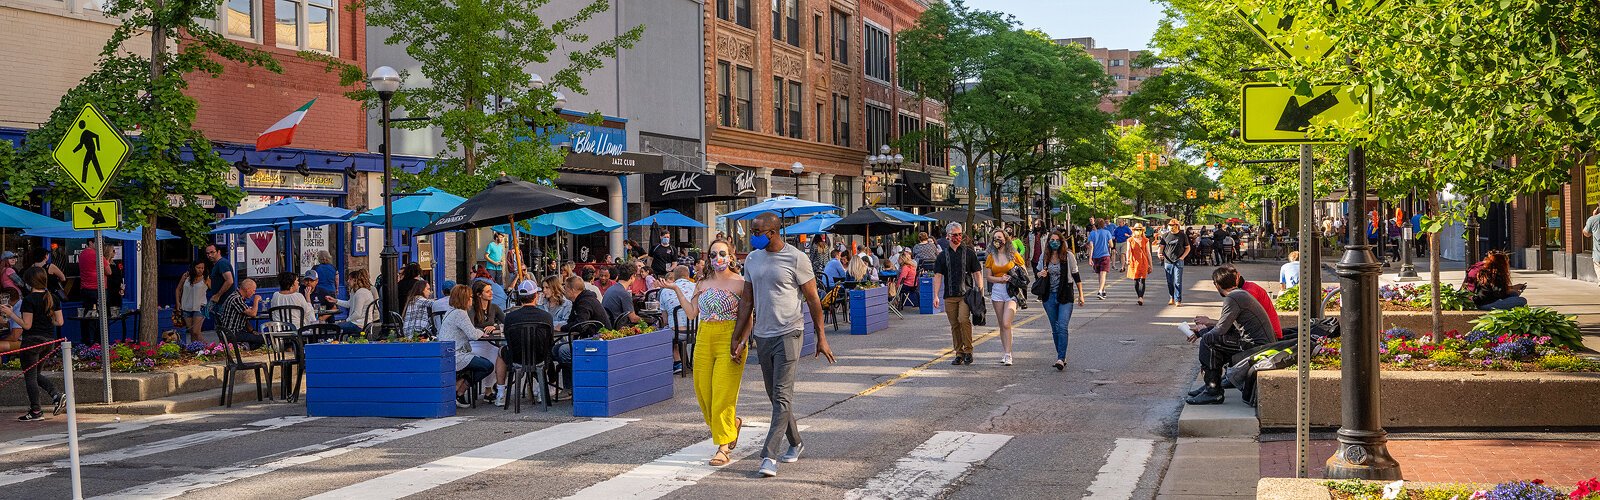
841, 192
1552, 221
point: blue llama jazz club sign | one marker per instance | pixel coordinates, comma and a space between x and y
592, 139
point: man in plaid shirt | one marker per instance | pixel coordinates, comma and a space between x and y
233, 316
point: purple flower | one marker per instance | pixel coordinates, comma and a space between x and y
1399, 333
1477, 336
1523, 490
1402, 358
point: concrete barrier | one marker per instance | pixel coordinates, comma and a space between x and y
1416, 321
1466, 400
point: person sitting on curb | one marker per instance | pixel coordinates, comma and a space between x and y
1243, 325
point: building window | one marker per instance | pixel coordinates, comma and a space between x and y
794, 110
306, 24
777, 106
910, 125
841, 38
819, 120
723, 12
905, 82
777, 19
741, 13
724, 94
935, 143
816, 32
877, 61
791, 19
1118, 62
238, 19
841, 192
841, 120
877, 127
744, 92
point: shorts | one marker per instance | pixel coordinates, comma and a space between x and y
998, 293
1102, 264
189, 314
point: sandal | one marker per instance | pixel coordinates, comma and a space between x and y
720, 458
738, 425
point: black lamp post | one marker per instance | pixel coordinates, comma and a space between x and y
887, 163
1094, 186
386, 81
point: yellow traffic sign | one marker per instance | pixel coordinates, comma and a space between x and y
1273, 114
91, 151
1294, 40
96, 215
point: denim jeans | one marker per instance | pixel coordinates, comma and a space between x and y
1060, 315
1174, 272
1510, 302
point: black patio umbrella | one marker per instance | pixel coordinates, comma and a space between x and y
504, 202
867, 222
958, 215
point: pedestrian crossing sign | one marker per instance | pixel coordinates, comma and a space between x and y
96, 215
91, 151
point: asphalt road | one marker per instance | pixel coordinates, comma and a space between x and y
891, 419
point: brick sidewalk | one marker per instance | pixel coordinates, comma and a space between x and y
1558, 463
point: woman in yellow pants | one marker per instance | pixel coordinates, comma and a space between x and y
721, 302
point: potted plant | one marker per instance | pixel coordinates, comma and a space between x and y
869, 309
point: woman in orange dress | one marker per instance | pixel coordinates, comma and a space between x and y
1138, 260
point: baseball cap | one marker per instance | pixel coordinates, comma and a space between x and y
527, 287
8, 255
309, 275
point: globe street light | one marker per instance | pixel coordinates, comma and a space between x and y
386, 81
1094, 185
797, 169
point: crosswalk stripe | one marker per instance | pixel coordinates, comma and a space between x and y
177, 443
172, 487
457, 467
931, 467
1117, 479
677, 470
47, 440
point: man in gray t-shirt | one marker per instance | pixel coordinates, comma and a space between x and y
1591, 228
780, 276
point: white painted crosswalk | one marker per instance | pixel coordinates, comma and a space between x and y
931, 467
177, 443
453, 468
1120, 475
667, 474
57, 439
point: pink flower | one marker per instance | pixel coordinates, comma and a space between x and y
1585, 488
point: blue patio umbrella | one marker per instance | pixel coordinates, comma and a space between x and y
906, 216
782, 206
817, 224
67, 232
414, 211
580, 221
668, 218
17, 218
286, 214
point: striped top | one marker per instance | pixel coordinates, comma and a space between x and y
718, 305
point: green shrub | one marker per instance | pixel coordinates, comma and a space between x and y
1536, 321
1566, 363
1355, 488
1447, 358
1289, 300
1450, 298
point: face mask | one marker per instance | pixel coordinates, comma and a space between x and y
1055, 245
720, 264
759, 241
955, 240
666, 241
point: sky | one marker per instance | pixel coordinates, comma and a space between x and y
1114, 24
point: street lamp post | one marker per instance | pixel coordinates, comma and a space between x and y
386, 81
1094, 185
797, 169
883, 160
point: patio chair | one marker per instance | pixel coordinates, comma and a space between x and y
683, 333
294, 316
235, 364
530, 352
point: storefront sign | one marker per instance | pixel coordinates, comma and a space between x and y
698, 186
282, 179
1591, 184
205, 201
261, 254
592, 139
744, 183
313, 241
623, 163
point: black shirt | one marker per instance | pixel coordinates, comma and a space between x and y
662, 256
957, 266
41, 305
587, 308
529, 315
1173, 245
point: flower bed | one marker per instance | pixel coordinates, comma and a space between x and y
138, 357
626, 371
1391, 298
1354, 489
1403, 349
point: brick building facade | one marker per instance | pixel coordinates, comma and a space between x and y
1119, 64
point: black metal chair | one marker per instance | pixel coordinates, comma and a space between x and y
683, 334
530, 349
235, 364
436, 320
293, 316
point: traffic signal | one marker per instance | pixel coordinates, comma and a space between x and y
1139, 161
1191, 193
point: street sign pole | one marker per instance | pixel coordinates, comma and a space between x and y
100, 309
1302, 349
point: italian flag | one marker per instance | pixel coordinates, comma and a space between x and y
282, 133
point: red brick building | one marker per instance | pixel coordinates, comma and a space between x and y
1119, 64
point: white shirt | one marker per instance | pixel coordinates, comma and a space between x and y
457, 327
280, 298
360, 300
669, 300
1289, 274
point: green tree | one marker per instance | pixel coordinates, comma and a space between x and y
474, 56
143, 94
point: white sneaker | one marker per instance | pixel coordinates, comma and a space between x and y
1005, 359
769, 467
500, 400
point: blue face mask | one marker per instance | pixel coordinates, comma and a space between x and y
759, 241
1055, 245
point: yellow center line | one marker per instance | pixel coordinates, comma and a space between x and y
942, 356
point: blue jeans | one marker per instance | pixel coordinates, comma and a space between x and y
1174, 272
1060, 314
1510, 302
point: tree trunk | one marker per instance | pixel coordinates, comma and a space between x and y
467, 252
1433, 270
1025, 188
972, 189
149, 306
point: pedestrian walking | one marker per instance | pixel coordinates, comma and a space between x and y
781, 275
40, 320
1002, 258
722, 302
1137, 254
1100, 255
1119, 240
191, 296
41, 258
1058, 280
1591, 228
1174, 249
956, 271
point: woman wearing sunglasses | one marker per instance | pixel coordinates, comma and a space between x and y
722, 303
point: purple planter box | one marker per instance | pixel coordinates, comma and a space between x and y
869, 310
611, 377
403, 379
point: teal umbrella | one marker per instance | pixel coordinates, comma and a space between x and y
17, 218
580, 221
414, 211
67, 232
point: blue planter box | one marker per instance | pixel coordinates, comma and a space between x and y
611, 377
926, 293
808, 336
403, 379
869, 310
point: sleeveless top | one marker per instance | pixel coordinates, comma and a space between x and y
194, 296
718, 305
